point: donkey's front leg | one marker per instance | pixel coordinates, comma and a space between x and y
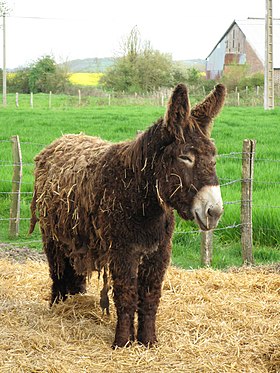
124, 274
150, 277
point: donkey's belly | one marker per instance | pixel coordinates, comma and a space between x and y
142, 250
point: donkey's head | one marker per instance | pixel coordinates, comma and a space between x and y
186, 176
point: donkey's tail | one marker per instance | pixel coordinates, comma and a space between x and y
33, 219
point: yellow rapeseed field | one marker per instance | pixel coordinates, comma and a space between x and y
88, 79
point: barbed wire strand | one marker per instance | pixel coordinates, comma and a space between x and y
17, 164
16, 193
229, 182
16, 182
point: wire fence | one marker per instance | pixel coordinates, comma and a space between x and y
230, 187
86, 96
223, 181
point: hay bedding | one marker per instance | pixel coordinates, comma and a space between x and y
208, 321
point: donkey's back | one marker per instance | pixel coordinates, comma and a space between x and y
68, 157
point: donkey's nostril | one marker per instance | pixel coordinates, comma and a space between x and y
210, 212
215, 211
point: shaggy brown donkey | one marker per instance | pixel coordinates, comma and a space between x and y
102, 204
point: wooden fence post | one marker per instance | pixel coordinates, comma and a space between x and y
16, 184
79, 97
17, 102
206, 248
248, 154
162, 99
31, 100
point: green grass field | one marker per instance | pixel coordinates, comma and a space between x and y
39, 126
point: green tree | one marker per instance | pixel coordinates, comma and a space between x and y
179, 73
233, 75
45, 75
194, 77
252, 81
19, 82
153, 69
140, 68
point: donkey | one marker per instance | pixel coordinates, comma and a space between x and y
105, 205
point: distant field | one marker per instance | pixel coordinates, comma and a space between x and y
39, 126
86, 79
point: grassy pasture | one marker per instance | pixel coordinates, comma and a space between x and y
39, 126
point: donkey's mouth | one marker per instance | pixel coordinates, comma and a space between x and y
199, 221
208, 207
186, 215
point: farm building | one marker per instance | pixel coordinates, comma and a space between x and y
244, 43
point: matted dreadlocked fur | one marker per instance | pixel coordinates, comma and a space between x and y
102, 204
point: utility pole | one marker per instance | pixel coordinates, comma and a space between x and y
4, 10
4, 63
268, 69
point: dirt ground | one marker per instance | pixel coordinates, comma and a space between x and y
20, 254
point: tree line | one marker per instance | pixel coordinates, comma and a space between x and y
138, 68
43, 75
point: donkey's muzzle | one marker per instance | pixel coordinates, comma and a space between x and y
208, 207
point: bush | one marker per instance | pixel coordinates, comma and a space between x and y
45, 76
238, 76
42, 76
252, 81
19, 81
142, 68
145, 72
233, 75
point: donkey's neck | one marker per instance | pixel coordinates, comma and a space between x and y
141, 157
141, 154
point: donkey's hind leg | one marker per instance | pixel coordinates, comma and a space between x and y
64, 278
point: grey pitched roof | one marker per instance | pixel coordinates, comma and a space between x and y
254, 30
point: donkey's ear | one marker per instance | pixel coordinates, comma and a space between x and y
178, 110
209, 108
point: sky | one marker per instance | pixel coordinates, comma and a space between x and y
69, 29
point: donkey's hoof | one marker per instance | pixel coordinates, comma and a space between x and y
151, 342
121, 344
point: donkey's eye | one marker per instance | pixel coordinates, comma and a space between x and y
187, 158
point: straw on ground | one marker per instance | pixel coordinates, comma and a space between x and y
208, 321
